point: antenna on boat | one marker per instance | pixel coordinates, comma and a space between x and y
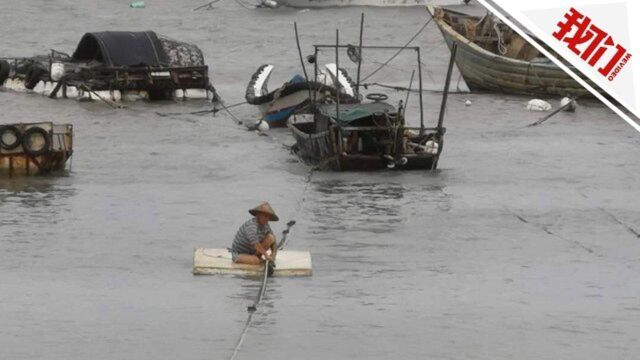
304, 69
337, 77
360, 56
454, 49
420, 92
338, 99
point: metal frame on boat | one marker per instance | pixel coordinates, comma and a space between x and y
369, 136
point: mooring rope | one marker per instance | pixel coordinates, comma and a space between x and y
200, 112
252, 309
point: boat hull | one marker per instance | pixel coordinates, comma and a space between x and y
484, 70
321, 150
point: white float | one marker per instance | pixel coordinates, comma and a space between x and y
218, 261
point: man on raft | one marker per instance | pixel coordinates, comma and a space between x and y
254, 241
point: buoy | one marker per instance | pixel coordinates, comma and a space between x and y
270, 4
57, 71
570, 108
39, 88
72, 92
538, 105
263, 126
467, 103
48, 87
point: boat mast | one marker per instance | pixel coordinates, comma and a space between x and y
315, 72
338, 99
359, 56
337, 78
420, 92
454, 49
304, 68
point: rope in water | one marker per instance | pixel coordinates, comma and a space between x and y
207, 5
398, 52
263, 287
200, 112
251, 312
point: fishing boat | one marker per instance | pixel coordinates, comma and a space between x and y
34, 148
295, 95
369, 135
114, 65
493, 57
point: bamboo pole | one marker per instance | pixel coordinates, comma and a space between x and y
359, 56
304, 68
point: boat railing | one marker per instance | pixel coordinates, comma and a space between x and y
380, 128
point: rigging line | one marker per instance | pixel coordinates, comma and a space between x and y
241, 3
226, 108
399, 50
207, 5
401, 88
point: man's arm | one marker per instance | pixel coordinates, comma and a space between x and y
260, 250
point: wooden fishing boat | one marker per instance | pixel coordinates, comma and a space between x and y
371, 135
35, 148
365, 136
491, 56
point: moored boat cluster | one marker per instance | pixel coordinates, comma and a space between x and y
334, 124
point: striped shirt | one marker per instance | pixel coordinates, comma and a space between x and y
248, 235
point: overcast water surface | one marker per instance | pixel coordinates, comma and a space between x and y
522, 245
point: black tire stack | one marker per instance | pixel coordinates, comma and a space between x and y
35, 141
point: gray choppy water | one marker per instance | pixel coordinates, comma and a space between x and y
522, 245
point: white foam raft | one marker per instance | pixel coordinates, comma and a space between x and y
71, 92
218, 261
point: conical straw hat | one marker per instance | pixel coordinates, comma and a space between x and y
264, 208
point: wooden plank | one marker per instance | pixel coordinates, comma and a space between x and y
218, 261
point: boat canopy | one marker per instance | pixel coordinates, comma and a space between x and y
122, 48
352, 112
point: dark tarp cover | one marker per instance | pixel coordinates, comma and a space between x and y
121, 48
352, 112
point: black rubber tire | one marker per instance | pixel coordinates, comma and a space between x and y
377, 97
26, 145
16, 133
4, 71
33, 76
